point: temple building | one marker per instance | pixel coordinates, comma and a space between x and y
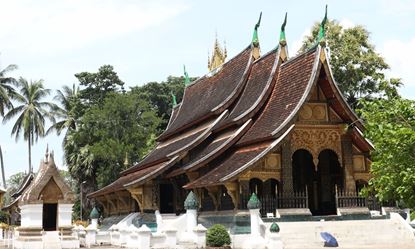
43, 203
265, 123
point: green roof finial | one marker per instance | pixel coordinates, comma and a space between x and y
191, 202
94, 214
283, 41
322, 30
254, 202
186, 77
274, 228
255, 40
173, 99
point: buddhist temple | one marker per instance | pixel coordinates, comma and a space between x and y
44, 202
269, 124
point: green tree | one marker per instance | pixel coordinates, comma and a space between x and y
98, 85
13, 183
390, 125
7, 92
158, 94
95, 152
69, 110
31, 112
6, 89
357, 67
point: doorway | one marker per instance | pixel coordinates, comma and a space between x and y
330, 176
166, 198
50, 214
305, 177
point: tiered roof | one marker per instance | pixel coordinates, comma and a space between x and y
233, 116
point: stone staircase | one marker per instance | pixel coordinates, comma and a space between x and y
349, 233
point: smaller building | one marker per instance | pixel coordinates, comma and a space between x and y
45, 205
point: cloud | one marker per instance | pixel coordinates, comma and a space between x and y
296, 45
399, 55
48, 26
346, 23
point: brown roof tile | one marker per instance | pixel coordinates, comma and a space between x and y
211, 148
118, 184
289, 90
234, 161
180, 143
237, 162
211, 94
257, 89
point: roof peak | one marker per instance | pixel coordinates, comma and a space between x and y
219, 55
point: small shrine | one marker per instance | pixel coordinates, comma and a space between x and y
46, 207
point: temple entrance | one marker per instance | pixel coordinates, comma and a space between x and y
305, 177
50, 211
166, 198
330, 176
319, 183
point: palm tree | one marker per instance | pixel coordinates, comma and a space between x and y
2, 169
6, 89
67, 110
31, 112
6, 94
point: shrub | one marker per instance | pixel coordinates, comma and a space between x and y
4, 216
217, 236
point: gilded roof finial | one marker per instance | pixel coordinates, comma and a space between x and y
186, 77
283, 40
218, 57
126, 162
47, 153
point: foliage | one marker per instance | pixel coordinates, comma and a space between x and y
6, 88
31, 112
4, 216
69, 110
390, 125
159, 96
357, 67
123, 124
217, 236
98, 85
13, 183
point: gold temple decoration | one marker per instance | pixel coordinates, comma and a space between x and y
218, 56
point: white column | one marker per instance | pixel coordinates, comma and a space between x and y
200, 232
254, 214
91, 236
144, 236
65, 215
171, 237
191, 219
94, 223
31, 215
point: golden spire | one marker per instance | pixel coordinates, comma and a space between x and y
218, 56
126, 162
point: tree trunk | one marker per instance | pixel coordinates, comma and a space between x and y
29, 144
2, 169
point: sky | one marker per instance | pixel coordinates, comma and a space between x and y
150, 40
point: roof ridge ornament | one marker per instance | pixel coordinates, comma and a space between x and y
173, 99
255, 39
321, 38
256, 53
186, 77
283, 40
